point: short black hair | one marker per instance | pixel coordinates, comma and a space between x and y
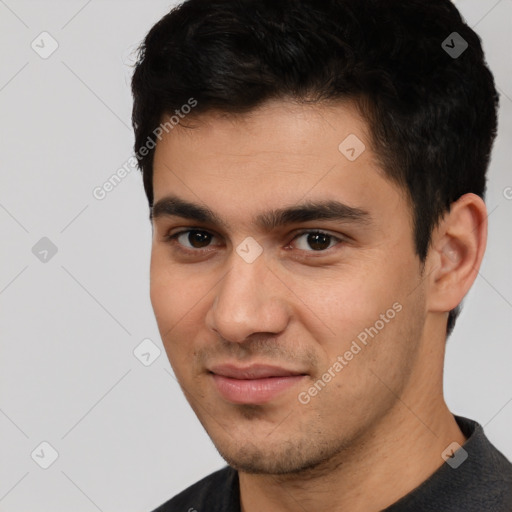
432, 114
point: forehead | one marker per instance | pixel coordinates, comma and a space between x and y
280, 153
278, 126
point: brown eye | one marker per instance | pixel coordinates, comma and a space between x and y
199, 239
317, 241
191, 240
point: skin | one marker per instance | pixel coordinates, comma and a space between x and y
378, 428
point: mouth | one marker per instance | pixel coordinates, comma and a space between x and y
255, 384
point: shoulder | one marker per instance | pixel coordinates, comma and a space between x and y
483, 480
490, 471
478, 479
217, 492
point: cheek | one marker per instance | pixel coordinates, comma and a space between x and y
347, 300
364, 303
160, 287
169, 295
377, 354
178, 300
166, 308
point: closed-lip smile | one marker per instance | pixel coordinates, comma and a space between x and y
253, 384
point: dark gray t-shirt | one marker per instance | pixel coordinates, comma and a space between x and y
481, 483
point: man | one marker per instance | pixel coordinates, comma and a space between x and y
315, 173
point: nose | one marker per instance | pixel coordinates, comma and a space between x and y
249, 299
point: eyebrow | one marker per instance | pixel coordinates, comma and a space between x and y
173, 206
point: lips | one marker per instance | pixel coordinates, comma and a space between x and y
256, 371
255, 384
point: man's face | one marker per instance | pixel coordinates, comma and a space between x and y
289, 345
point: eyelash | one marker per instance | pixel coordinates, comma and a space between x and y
173, 240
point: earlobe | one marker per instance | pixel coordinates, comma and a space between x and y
458, 246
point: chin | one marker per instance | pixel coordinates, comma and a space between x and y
281, 459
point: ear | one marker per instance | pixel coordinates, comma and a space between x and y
456, 253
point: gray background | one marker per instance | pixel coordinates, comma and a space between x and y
126, 439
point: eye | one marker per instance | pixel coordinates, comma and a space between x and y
196, 238
318, 240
